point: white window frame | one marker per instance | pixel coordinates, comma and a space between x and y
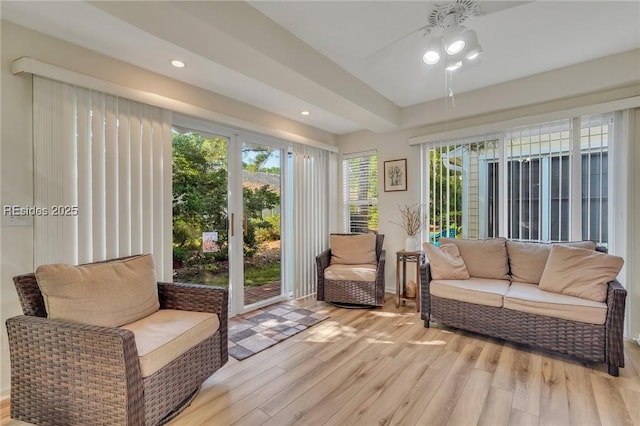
345, 193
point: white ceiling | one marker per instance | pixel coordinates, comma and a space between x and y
354, 65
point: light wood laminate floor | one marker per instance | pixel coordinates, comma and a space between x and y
378, 367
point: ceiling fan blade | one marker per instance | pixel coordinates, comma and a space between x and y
386, 46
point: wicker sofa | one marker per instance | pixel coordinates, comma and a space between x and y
70, 372
351, 272
508, 302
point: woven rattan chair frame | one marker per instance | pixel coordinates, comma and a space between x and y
67, 373
368, 293
586, 342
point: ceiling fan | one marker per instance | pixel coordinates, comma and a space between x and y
448, 17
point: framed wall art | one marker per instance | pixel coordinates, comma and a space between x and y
395, 175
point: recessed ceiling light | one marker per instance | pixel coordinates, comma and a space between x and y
305, 113
178, 64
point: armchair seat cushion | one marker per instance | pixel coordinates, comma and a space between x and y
481, 291
166, 334
532, 299
339, 272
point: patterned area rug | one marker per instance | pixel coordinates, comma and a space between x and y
258, 330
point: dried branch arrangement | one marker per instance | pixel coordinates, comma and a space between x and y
411, 220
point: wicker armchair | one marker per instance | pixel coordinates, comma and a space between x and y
352, 292
69, 373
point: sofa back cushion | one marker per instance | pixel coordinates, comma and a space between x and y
107, 294
579, 272
445, 262
483, 258
527, 259
357, 249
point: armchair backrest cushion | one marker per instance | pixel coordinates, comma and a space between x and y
527, 259
483, 258
356, 249
107, 294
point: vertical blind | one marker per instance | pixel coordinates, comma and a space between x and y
311, 211
360, 192
457, 191
537, 183
103, 164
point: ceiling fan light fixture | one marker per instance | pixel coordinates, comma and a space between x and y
455, 45
473, 55
452, 66
473, 47
431, 57
433, 53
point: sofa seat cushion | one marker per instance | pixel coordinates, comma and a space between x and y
481, 291
531, 299
340, 272
108, 294
528, 259
483, 258
166, 334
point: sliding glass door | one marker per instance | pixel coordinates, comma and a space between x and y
228, 195
201, 243
261, 222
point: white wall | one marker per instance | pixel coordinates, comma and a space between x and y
633, 233
16, 141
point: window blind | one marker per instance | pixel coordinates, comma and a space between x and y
537, 183
360, 191
104, 164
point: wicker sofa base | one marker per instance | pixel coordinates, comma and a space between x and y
586, 342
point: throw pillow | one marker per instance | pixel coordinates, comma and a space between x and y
445, 262
107, 294
579, 272
357, 249
484, 258
527, 259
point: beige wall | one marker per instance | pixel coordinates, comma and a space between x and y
16, 144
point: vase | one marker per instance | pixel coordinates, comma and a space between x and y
410, 289
411, 243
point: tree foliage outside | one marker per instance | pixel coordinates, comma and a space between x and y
445, 213
199, 196
200, 188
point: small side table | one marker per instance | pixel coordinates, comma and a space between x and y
402, 258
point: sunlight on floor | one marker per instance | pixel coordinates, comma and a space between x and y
428, 343
329, 331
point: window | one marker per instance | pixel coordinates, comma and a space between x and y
547, 183
360, 191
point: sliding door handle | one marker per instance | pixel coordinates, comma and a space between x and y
232, 223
